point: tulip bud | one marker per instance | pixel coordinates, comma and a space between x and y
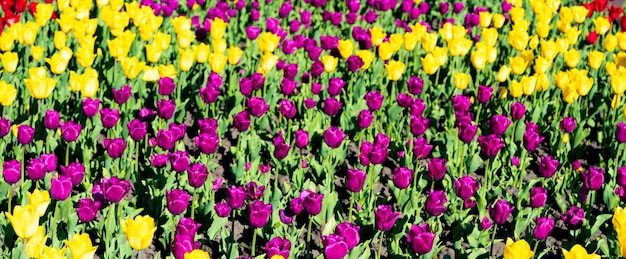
490, 145
374, 100
87, 209
500, 211
517, 110
122, 95
385, 217
465, 187
259, 213
90, 107
109, 117
333, 136
355, 179
278, 246
593, 178
538, 197
436, 203
197, 175
499, 124
75, 171
620, 132
302, 139
25, 134
51, 120
312, 202
115, 147
574, 218
543, 227
421, 238
437, 168
60, 187
177, 201
12, 171
402, 177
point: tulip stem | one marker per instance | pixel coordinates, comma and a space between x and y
193, 203
253, 248
137, 145
349, 209
535, 248
67, 153
10, 192
308, 239
493, 238
380, 245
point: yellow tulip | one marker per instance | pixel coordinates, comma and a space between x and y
518, 39
572, 35
9, 61
202, 52
419, 30
268, 41
461, 80
234, 55
139, 231
59, 39
154, 51
345, 48
89, 83
377, 35
621, 40
503, 73
563, 45
36, 243
162, 39
74, 82
517, 250
595, 59
29, 33
430, 64
441, 55
521, 25
580, 81
410, 40
478, 59
429, 41
518, 65
517, 14
533, 42
43, 14
184, 39
485, 19
549, 50
167, 70
219, 45
610, 42
197, 254
367, 57
610, 68
579, 13
516, 89
615, 103
543, 30
385, 51
35, 51
57, 63
619, 219
572, 57
396, 41
8, 93
86, 41
543, 82
218, 27
618, 84
489, 36
460, 47
39, 84
217, 61
528, 84
81, 247
24, 220
85, 57
498, 20
395, 69
602, 25
186, 59
542, 65
6, 41
330, 63
181, 23
53, 253
150, 74
268, 61
578, 252
132, 67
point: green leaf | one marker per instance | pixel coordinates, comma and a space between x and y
600, 219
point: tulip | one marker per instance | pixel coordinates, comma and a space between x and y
278, 246
593, 178
531, 139
548, 166
500, 211
420, 238
39, 200
312, 202
25, 134
395, 69
419, 125
499, 124
490, 145
187, 226
436, 203
137, 129
335, 86
567, 125
109, 117
354, 63
538, 197
9, 61
620, 132
385, 217
35, 244
437, 168
242, 121
257, 106
543, 227
9, 93
177, 201
222, 209
12, 171
51, 119
235, 197
288, 108
139, 231
402, 177
574, 218
120, 96
259, 213
207, 143
115, 147
87, 209
36, 169
333, 136
577, 252
81, 247
465, 187
24, 220
111, 189
70, 131
355, 179
166, 86
183, 244
517, 250
90, 106
60, 187
335, 246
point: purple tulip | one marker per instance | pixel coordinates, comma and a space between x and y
87, 209
253, 191
309, 103
499, 124
370, 16
197, 175
335, 86
461, 103
385, 217
281, 149
500, 211
331, 106
115, 147
259, 213
312, 202
222, 209
465, 187
518, 110
543, 227
365, 119
12, 171
51, 119
419, 125
122, 95
76, 171
70, 131
179, 160
436, 203
5, 126
335, 246
166, 109
532, 138
177, 201
166, 139
287, 108
515, 161
242, 121
60, 187
593, 178
253, 32
207, 143
354, 63
374, 100
25, 134
187, 226
146, 115
415, 85
278, 246
36, 169
538, 197
235, 197
111, 189
288, 86
490, 145
621, 176
467, 132
568, 124
418, 107
158, 160
302, 138
574, 218
291, 71
183, 244
485, 223
209, 94
421, 238
437, 168
355, 179
333, 136
166, 86
421, 148
90, 107
350, 232
620, 132
548, 166
257, 106
137, 129
444, 7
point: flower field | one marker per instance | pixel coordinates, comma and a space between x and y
312, 129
